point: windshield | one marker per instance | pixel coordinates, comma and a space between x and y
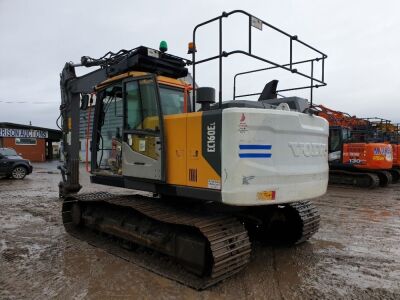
172, 100
8, 152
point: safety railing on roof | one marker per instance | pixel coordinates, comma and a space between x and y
383, 129
257, 23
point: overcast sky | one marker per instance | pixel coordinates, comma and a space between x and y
361, 39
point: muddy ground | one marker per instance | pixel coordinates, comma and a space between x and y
355, 254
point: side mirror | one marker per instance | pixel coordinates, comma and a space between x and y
84, 102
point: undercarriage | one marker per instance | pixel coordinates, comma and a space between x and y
208, 246
361, 178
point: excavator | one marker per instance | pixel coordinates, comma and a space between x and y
383, 130
207, 178
355, 158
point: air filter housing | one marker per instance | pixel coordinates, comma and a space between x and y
205, 96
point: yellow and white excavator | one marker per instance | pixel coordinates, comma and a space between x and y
219, 174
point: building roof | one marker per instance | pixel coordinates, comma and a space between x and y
54, 134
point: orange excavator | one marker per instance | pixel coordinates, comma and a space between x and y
354, 158
383, 130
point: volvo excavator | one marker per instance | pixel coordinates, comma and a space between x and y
355, 158
207, 177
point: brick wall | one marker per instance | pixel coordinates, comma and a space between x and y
36, 153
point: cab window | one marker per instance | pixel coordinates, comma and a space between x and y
172, 100
346, 134
334, 140
141, 105
109, 130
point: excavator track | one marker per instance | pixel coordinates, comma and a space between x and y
309, 220
385, 178
359, 179
227, 240
395, 175
289, 224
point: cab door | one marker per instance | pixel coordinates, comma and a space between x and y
143, 151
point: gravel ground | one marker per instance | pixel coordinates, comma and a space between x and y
355, 254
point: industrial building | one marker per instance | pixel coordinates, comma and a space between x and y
37, 144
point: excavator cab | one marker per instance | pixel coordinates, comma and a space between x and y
128, 132
134, 110
127, 138
338, 136
384, 131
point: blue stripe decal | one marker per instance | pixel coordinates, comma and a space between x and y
250, 147
255, 155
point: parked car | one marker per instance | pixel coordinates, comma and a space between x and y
12, 165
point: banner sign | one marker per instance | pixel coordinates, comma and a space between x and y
23, 133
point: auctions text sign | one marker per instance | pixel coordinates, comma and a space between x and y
23, 133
